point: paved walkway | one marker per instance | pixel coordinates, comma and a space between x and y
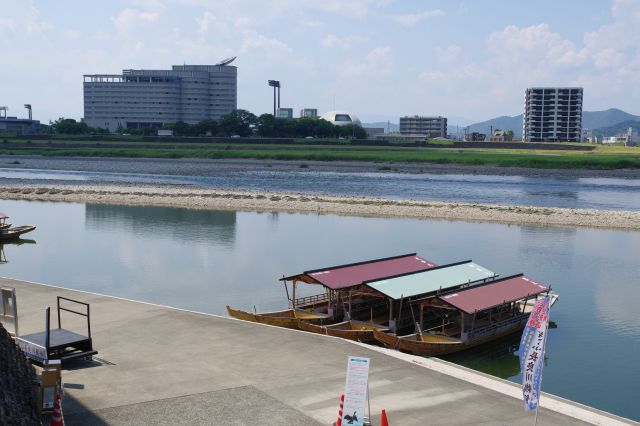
158, 365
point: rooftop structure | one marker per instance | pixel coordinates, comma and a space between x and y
552, 114
352, 274
431, 280
151, 98
285, 113
308, 112
341, 118
495, 293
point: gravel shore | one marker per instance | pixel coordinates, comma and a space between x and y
199, 198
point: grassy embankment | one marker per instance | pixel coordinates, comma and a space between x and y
615, 157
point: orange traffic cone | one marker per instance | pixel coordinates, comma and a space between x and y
384, 421
56, 416
339, 422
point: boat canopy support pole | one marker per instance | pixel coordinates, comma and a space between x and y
293, 301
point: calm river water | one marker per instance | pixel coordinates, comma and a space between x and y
203, 260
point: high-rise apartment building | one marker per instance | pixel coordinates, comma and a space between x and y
552, 114
150, 98
431, 127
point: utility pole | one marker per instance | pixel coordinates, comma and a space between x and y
28, 107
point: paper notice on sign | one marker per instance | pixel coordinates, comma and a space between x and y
355, 391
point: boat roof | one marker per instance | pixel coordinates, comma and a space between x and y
494, 293
441, 277
352, 274
3, 216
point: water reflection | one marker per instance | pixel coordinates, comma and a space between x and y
174, 223
16, 242
500, 358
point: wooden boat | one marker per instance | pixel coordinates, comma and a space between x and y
12, 233
434, 344
476, 315
288, 318
359, 331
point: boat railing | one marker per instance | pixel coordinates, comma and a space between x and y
497, 326
311, 300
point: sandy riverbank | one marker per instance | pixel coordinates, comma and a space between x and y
198, 198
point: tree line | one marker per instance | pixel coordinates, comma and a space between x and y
239, 122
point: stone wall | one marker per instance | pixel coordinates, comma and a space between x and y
18, 399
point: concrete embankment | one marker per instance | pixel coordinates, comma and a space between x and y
211, 199
160, 365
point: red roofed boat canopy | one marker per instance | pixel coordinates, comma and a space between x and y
495, 293
353, 274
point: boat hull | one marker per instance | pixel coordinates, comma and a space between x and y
354, 330
311, 328
287, 319
434, 345
13, 233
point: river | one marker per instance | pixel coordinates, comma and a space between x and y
203, 260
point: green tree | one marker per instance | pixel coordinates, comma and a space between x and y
69, 126
204, 127
238, 122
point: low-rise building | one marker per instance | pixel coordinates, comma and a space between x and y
430, 127
372, 132
308, 112
20, 126
475, 137
500, 136
286, 113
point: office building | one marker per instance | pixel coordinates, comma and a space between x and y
308, 112
151, 98
431, 127
286, 113
552, 114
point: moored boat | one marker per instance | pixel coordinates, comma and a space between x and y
487, 312
12, 233
287, 318
359, 331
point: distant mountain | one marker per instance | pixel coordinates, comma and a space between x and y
505, 123
387, 126
609, 117
590, 119
616, 128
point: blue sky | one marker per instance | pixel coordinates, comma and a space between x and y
467, 60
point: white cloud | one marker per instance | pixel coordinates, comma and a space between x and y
448, 54
129, 19
333, 41
378, 61
409, 20
7, 24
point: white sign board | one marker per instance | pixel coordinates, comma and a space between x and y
355, 391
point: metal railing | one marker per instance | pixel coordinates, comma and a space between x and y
311, 300
498, 326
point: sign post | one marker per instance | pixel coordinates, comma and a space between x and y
356, 391
532, 348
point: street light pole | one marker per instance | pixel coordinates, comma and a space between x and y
276, 85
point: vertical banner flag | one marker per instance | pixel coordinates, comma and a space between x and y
355, 391
532, 353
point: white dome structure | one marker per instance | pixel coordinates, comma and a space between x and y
341, 118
